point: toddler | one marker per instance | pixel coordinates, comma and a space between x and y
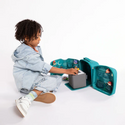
30, 70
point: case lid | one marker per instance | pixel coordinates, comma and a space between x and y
104, 79
86, 65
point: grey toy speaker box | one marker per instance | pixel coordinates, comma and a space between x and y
78, 81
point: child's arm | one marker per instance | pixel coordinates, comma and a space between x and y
63, 71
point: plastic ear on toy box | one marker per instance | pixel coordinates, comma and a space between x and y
100, 77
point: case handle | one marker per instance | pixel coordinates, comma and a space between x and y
87, 59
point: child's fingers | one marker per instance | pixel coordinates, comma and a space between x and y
72, 71
75, 71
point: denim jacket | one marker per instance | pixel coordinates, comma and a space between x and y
28, 65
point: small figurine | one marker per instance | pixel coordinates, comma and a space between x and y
107, 71
108, 88
110, 83
54, 62
65, 78
75, 62
76, 68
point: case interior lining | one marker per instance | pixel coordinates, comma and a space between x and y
102, 79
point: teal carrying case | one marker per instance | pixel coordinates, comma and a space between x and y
100, 77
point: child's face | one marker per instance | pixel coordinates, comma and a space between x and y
34, 41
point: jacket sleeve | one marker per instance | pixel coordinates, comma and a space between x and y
35, 63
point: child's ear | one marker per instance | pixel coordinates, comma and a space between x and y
26, 39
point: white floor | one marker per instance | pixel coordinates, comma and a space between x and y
72, 29
85, 106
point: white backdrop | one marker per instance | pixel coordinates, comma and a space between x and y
72, 29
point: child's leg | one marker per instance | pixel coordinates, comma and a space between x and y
35, 95
37, 92
50, 84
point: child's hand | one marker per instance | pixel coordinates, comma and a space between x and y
71, 71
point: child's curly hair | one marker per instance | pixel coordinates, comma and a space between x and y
27, 28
